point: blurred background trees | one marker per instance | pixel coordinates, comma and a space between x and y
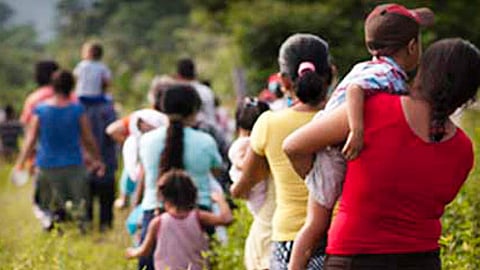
144, 38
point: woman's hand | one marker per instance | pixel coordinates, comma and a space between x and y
97, 167
19, 166
131, 253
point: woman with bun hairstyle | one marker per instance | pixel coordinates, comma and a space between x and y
413, 164
304, 67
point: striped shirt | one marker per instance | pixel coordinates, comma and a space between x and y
381, 74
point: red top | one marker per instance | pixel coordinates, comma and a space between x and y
395, 192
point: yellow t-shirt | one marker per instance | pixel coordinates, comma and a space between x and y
291, 193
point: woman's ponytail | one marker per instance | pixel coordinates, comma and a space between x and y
178, 102
448, 78
172, 155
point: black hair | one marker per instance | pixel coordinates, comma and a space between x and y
96, 50
159, 85
44, 70
9, 112
248, 112
207, 83
448, 78
312, 85
278, 90
177, 188
158, 93
178, 102
186, 68
63, 82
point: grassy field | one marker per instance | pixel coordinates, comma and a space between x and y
23, 245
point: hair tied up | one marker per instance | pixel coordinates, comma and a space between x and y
305, 66
175, 117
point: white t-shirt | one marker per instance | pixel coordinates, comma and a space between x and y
91, 76
207, 111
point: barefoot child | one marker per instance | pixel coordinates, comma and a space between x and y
392, 36
179, 231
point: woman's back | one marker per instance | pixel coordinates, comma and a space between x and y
180, 243
291, 194
199, 157
59, 135
396, 190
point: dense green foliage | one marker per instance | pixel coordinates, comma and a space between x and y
461, 222
144, 38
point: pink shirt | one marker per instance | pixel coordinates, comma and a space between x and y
395, 192
180, 243
41, 94
38, 96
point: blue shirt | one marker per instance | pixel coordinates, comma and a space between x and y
59, 135
100, 115
199, 157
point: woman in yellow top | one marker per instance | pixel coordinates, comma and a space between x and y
304, 68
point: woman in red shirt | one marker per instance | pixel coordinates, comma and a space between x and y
414, 162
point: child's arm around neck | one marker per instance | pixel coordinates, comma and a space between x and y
355, 98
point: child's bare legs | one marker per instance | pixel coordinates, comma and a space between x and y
308, 238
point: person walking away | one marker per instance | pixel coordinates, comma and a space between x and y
177, 146
389, 216
61, 174
305, 70
93, 78
179, 232
261, 199
10, 130
392, 36
186, 72
43, 72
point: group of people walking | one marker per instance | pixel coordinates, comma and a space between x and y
382, 146
380, 149
65, 120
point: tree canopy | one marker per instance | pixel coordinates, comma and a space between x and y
144, 38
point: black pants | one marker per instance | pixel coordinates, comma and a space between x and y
104, 189
409, 261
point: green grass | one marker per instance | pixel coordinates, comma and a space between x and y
23, 244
